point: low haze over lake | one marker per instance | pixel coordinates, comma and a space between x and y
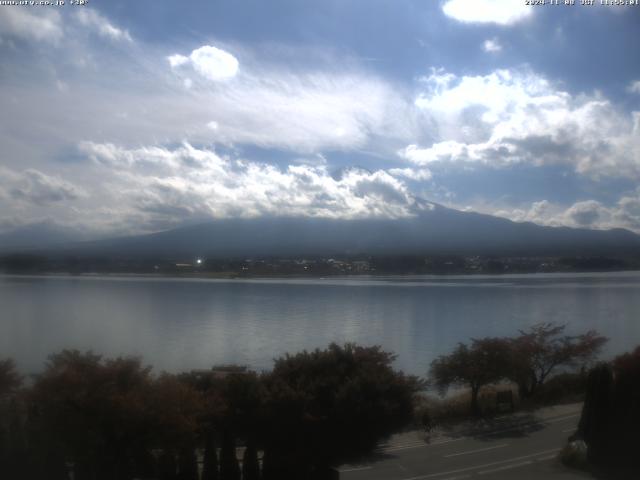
178, 324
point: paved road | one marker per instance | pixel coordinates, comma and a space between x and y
519, 446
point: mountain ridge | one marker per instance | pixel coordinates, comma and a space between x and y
434, 230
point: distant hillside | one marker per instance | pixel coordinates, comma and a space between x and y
38, 236
438, 230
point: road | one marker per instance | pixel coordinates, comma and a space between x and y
518, 446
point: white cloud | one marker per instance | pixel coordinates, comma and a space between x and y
509, 117
93, 20
35, 187
211, 62
418, 174
23, 22
502, 12
634, 87
177, 60
161, 186
492, 45
625, 213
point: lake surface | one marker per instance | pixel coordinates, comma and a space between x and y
177, 323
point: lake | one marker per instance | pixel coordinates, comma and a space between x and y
184, 323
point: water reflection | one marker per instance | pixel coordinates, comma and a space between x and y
194, 323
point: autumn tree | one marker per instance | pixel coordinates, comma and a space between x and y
329, 406
484, 362
543, 348
94, 410
175, 409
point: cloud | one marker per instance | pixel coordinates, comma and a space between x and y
281, 106
585, 214
417, 174
211, 62
624, 213
164, 187
518, 117
634, 87
492, 45
35, 187
22, 23
93, 20
177, 60
501, 12
47, 24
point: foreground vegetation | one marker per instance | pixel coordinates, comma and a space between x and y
611, 417
113, 419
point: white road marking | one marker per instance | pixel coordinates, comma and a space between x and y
506, 467
407, 446
547, 457
355, 469
567, 430
467, 469
554, 420
469, 452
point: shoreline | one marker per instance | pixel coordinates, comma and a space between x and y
347, 276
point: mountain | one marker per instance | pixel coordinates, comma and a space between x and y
38, 235
434, 230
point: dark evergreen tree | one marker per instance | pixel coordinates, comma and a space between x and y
187, 464
210, 467
54, 466
145, 464
229, 467
596, 416
17, 464
250, 463
167, 468
274, 466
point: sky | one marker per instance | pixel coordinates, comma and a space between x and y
121, 117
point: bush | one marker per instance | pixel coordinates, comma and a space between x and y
563, 388
574, 455
455, 407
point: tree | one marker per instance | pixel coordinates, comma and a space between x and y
537, 352
174, 408
229, 467
187, 464
482, 363
10, 380
611, 416
95, 409
250, 464
210, 461
333, 405
167, 466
